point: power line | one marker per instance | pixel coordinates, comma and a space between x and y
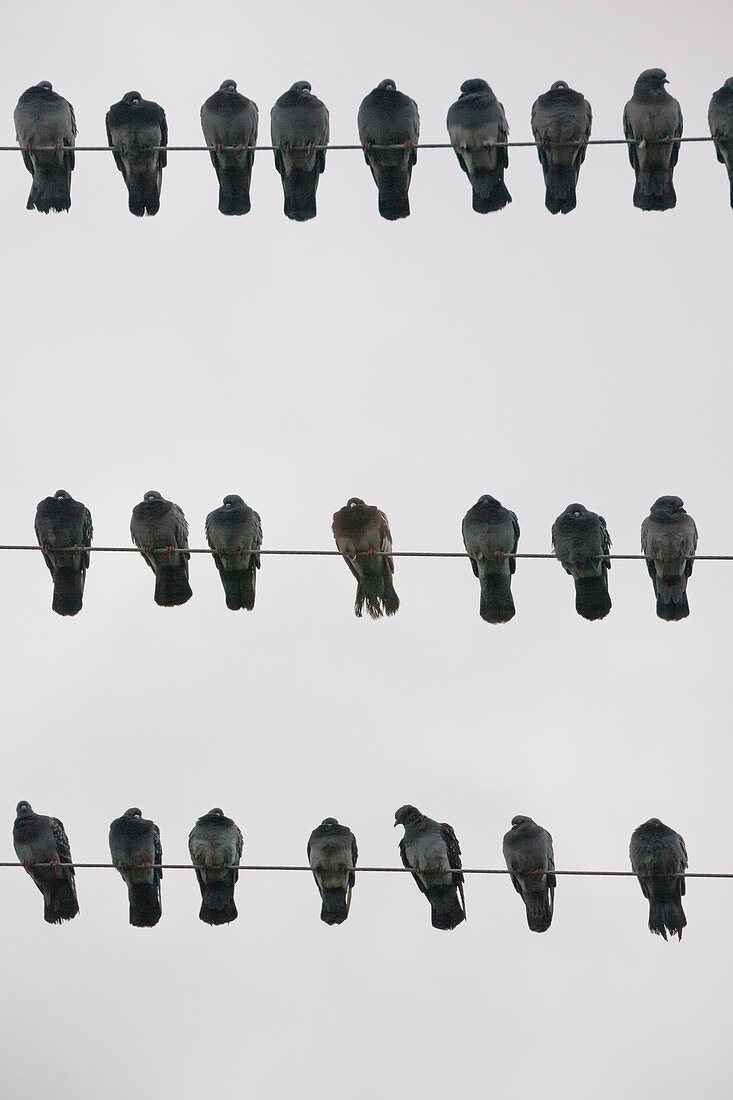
383, 870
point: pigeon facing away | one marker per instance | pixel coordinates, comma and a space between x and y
159, 525
653, 123
720, 120
476, 122
668, 542
299, 123
332, 855
135, 128
580, 540
62, 521
431, 851
234, 532
490, 533
531, 861
363, 538
42, 840
43, 118
561, 122
215, 844
229, 118
388, 117
658, 859
134, 844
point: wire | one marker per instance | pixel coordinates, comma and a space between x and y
382, 870
338, 554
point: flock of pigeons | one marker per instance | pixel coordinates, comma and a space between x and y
389, 129
429, 849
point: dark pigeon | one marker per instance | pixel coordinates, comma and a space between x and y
561, 122
136, 127
580, 540
332, 855
62, 521
531, 861
363, 537
42, 840
476, 123
215, 844
134, 844
159, 525
299, 123
431, 851
720, 120
490, 533
230, 119
388, 117
43, 118
234, 532
668, 542
653, 126
658, 859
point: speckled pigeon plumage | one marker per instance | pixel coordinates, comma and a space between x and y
158, 524
668, 542
44, 118
580, 540
215, 844
653, 119
658, 859
363, 537
561, 122
62, 521
299, 123
234, 532
42, 840
230, 119
531, 861
476, 122
135, 848
490, 532
720, 120
389, 117
135, 126
332, 855
431, 851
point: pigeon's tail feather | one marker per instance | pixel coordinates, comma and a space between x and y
59, 902
539, 910
217, 903
144, 193
592, 600
730, 176
672, 602
171, 585
375, 589
489, 191
497, 605
667, 915
560, 181
239, 588
654, 189
51, 189
299, 189
145, 908
234, 190
335, 907
394, 202
446, 910
391, 600
68, 589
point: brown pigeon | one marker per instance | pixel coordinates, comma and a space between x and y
363, 537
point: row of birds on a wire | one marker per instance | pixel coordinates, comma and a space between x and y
428, 848
389, 130
580, 541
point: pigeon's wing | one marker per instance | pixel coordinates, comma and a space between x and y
62, 842
110, 141
678, 134
354, 858
163, 155
605, 541
406, 863
238, 852
515, 525
551, 879
582, 149
87, 532
454, 858
385, 540
502, 151
629, 135
690, 560
158, 850
256, 538
181, 530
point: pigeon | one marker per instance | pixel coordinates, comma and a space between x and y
230, 119
720, 120
42, 840
658, 859
581, 543
215, 844
668, 542
476, 122
490, 533
431, 851
136, 128
42, 119
134, 844
332, 855
388, 117
561, 122
531, 862
298, 124
62, 521
363, 537
233, 532
159, 528
653, 125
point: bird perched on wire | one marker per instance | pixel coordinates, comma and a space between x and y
653, 127
230, 119
477, 127
582, 543
136, 130
389, 117
658, 859
491, 536
668, 542
158, 527
720, 121
364, 540
136, 851
234, 533
41, 840
561, 122
64, 522
45, 127
431, 851
332, 855
299, 124
531, 861
215, 845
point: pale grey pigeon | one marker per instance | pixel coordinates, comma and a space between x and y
658, 859
388, 117
230, 119
720, 120
653, 126
42, 840
135, 848
363, 538
159, 529
668, 542
234, 532
62, 521
136, 128
42, 119
298, 124
215, 844
491, 535
581, 543
531, 861
431, 851
477, 128
332, 855
561, 122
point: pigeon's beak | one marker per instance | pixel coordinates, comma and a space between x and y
395, 824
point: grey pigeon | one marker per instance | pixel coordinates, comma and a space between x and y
653, 125
388, 117
159, 528
431, 851
332, 855
136, 128
581, 542
658, 859
668, 542
561, 122
62, 521
363, 538
720, 120
531, 861
490, 533
298, 124
234, 533
230, 119
43, 118
42, 840
134, 844
476, 123
215, 844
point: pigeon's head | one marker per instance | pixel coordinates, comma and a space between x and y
407, 815
228, 86
486, 498
44, 86
355, 502
23, 809
152, 494
575, 510
61, 494
651, 80
132, 99
669, 506
329, 821
559, 86
232, 501
729, 83
134, 811
301, 86
654, 824
521, 819
216, 812
386, 86
475, 87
